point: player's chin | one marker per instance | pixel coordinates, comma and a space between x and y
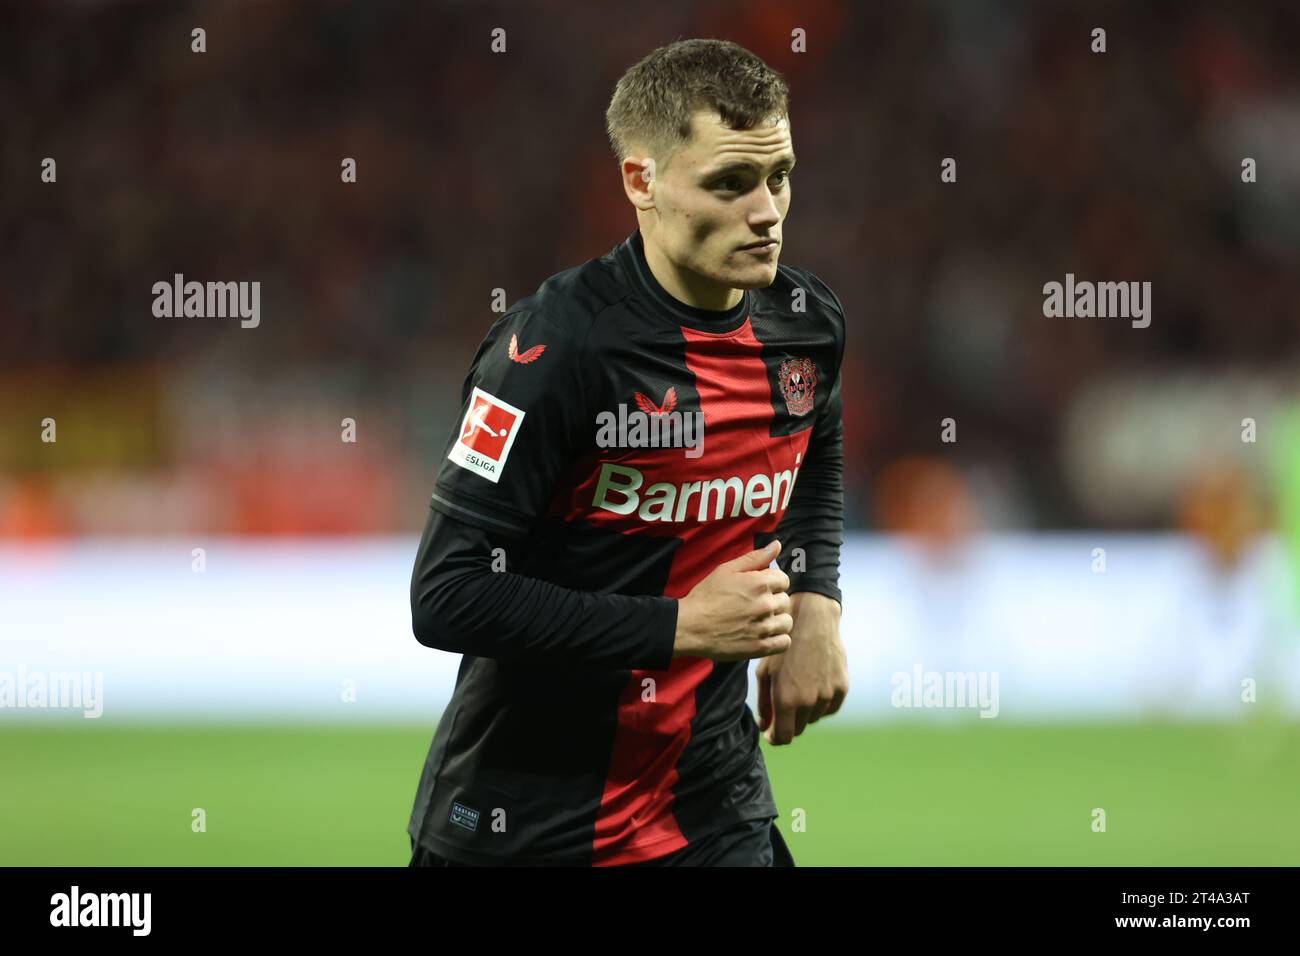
758, 275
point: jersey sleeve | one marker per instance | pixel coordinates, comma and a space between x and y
523, 419
812, 529
461, 604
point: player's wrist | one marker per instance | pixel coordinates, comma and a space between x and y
685, 641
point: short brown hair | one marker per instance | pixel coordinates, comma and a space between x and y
653, 101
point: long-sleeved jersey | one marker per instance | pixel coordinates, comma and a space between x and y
615, 446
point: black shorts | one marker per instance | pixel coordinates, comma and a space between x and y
750, 843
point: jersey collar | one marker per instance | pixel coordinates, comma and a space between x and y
632, 251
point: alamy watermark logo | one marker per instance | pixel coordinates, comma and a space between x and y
652, 426
951, 690
102, 909
213, 300
1103, 300
53, 690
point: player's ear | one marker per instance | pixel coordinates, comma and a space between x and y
639, 180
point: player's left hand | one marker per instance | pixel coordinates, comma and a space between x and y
810, 680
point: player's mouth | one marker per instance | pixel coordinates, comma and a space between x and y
762, 248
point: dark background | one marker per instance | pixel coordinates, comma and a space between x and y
479, 170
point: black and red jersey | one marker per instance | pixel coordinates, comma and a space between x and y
566, 520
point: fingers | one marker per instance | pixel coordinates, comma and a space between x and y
801, 715
771, 614
789, 720
774, 579
768, 646
773, 632
817, 711
783, 722
772, 625
764, 700
754, 560
837, 701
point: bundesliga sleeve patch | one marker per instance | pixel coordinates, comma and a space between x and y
486, 434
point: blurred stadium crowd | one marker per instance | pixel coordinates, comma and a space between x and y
481, 170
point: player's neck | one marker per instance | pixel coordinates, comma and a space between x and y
688, 287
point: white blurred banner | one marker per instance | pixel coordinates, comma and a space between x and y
320, 629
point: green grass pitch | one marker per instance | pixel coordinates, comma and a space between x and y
981, 792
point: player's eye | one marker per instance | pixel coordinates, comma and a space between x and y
781, 178
731, 184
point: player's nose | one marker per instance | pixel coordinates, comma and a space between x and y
765, 214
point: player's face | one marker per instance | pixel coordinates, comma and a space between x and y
722, 193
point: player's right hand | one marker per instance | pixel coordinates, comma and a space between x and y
740, 611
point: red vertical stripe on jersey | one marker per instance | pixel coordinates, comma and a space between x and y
635, 821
